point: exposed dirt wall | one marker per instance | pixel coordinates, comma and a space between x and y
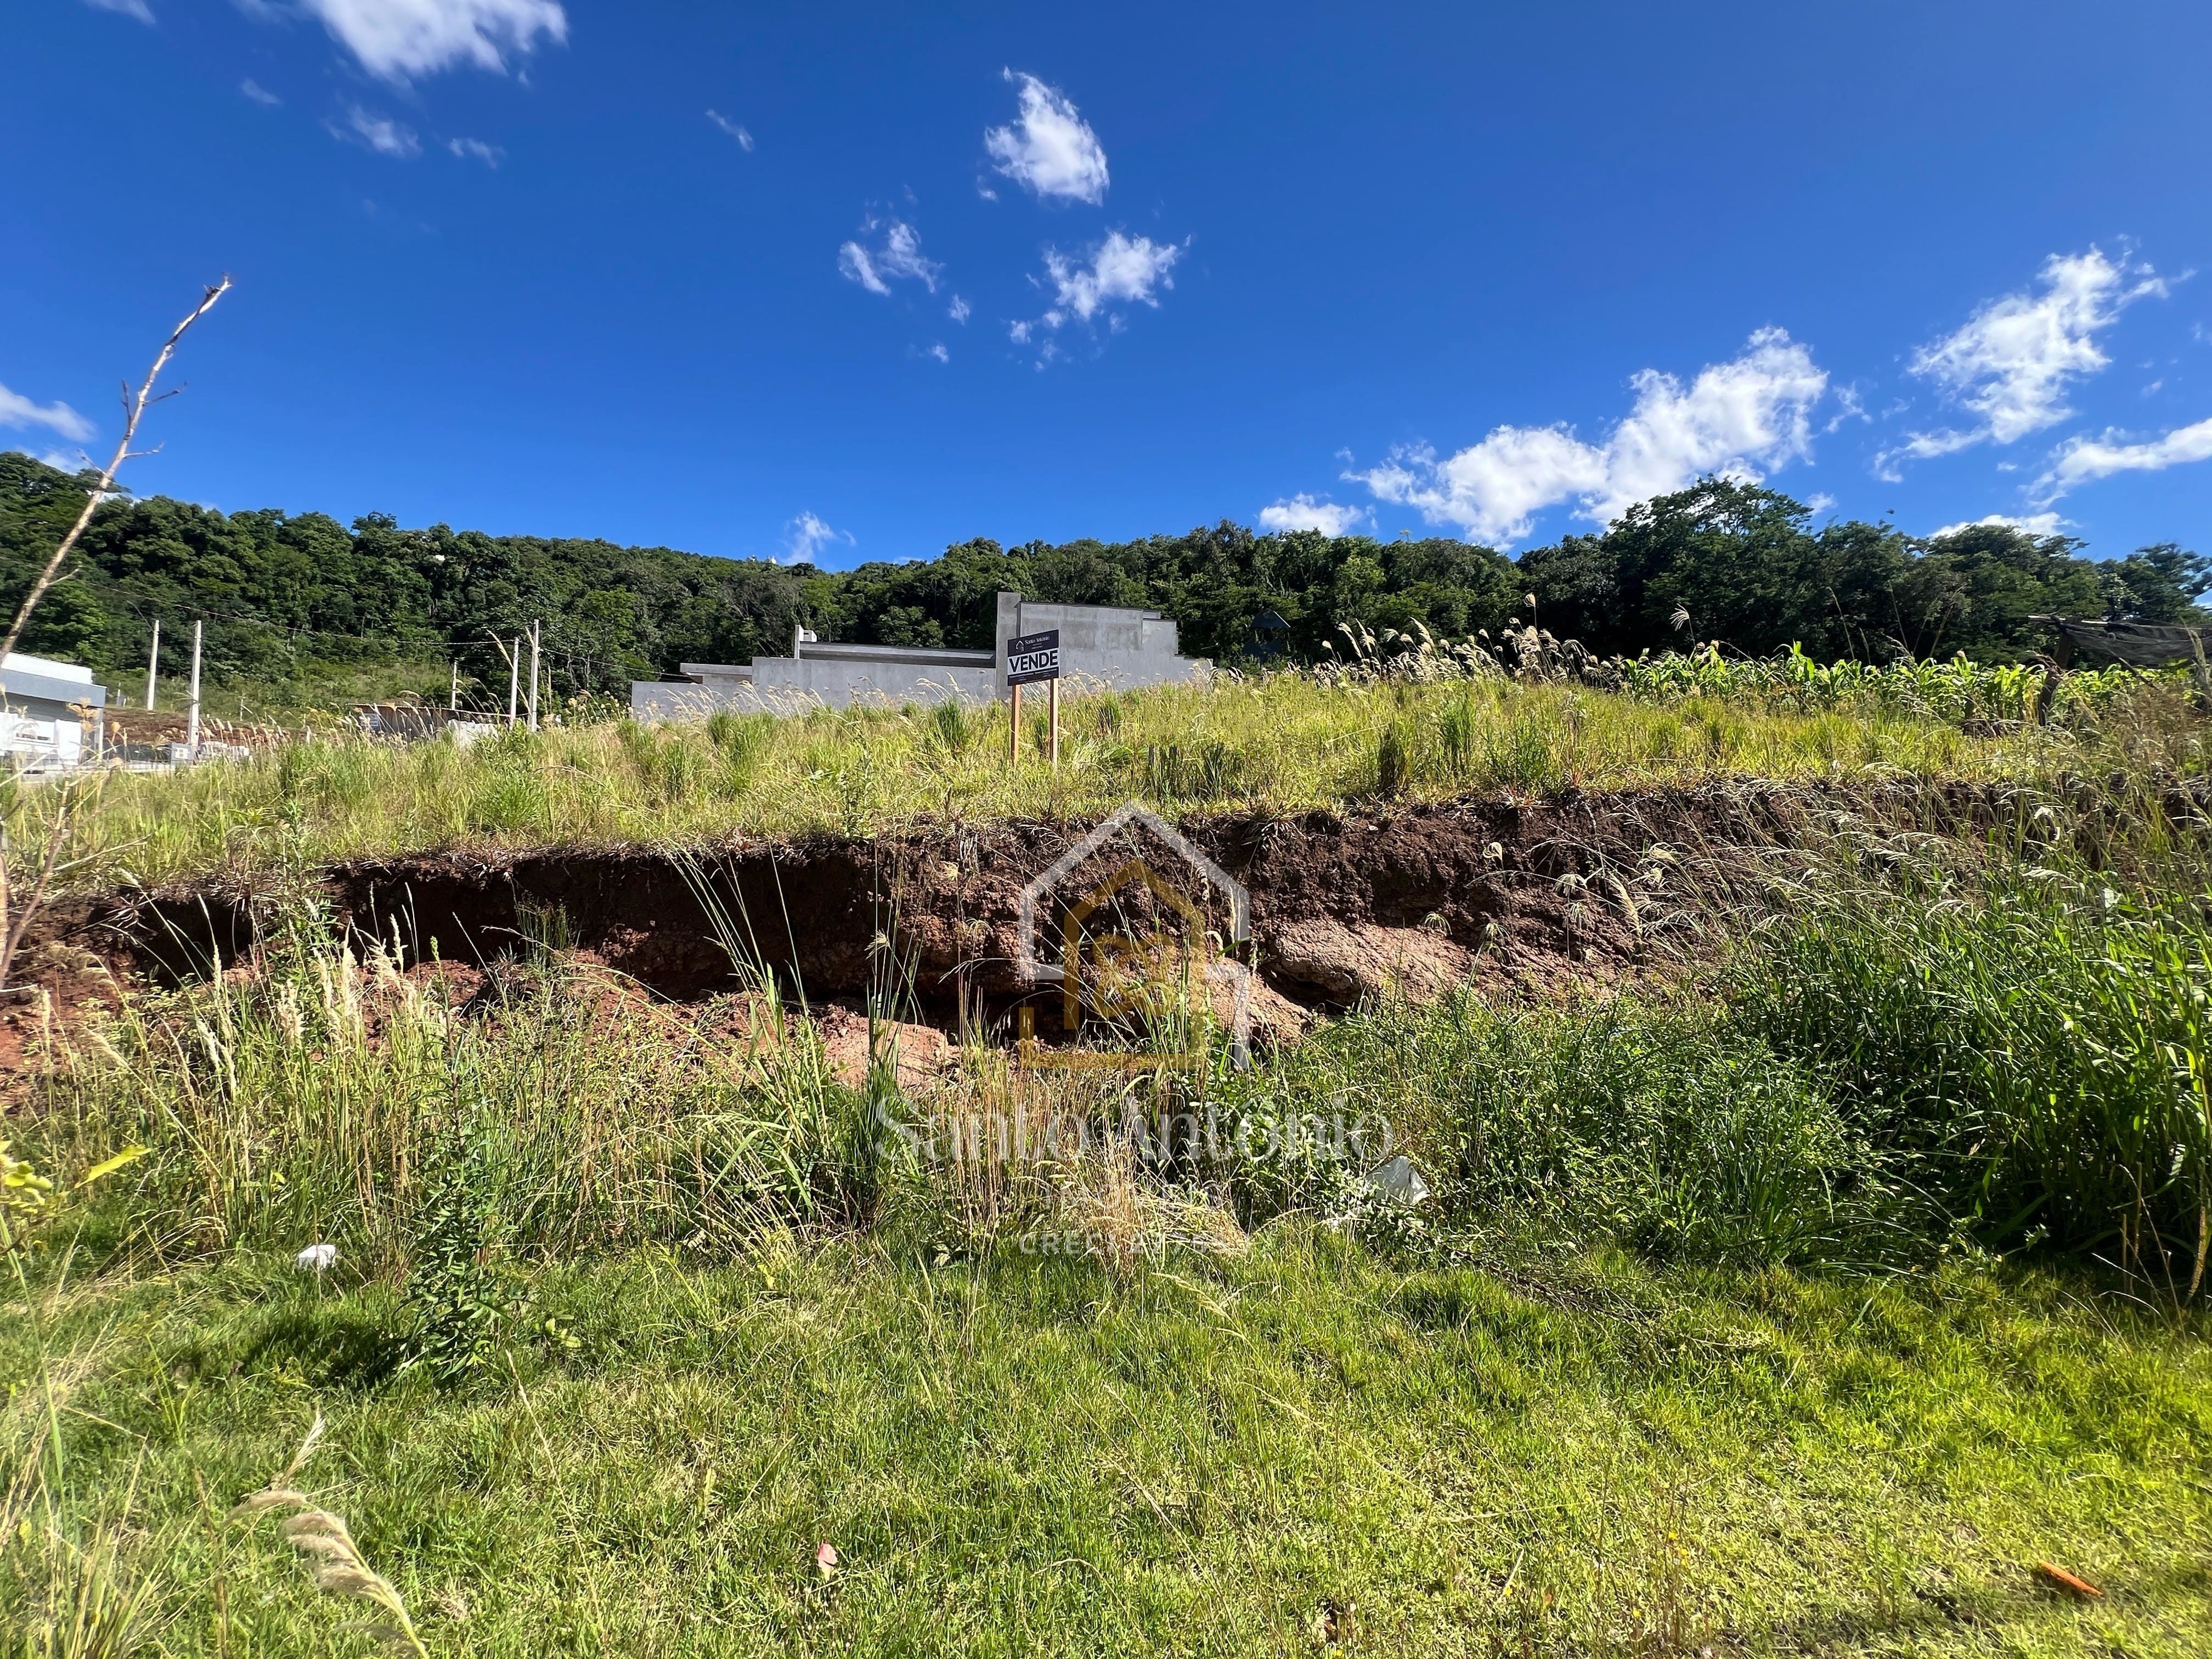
1508, 892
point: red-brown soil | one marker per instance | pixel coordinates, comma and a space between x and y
1512, 895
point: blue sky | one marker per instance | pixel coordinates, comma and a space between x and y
758, 279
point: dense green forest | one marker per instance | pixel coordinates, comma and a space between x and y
296, 606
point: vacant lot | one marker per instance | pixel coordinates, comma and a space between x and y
1808, 1086
1285, 744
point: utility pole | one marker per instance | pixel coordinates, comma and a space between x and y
192, 719
153, 664
454, 700
533, 677
513, 680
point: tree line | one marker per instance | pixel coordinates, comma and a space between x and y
288, 595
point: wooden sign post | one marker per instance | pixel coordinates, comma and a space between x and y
1033, 657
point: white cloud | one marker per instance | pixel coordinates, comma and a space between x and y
1820, 502
939, 352
1740, 418
1305, 513
401, 38
2035, 524
807, 535
475, 149
899, 259
1050, 148
2085, 459
138, 9
2013, 362
17, 410
855, 264
744, 139
1121, 268
1847, 408
381, 133
959, 310
260, 94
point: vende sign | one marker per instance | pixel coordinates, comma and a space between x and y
1033, 657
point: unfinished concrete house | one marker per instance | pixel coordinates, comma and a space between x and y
1102, 648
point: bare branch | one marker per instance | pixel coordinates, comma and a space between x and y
134, 410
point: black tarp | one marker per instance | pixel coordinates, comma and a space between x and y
2139, 644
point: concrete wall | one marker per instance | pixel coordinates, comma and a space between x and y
711, 686
1101, 648
839, 676
32, 742
822, 676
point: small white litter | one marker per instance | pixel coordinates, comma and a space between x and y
316, 1259
1399, 1181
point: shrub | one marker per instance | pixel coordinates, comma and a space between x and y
2035, 1044
1654, 1124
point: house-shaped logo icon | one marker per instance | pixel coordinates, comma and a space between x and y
1160, 983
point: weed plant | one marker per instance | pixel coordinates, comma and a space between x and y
2032, 1042
1654, 1125
2011, 1055
330, 1100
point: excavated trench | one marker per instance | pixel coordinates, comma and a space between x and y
1523, 894
1340, 905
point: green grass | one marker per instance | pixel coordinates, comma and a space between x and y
1283, 744
2014, 1053
1019, 1455
2031, 1041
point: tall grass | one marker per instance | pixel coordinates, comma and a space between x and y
1285, 743
552, 1111
330, 1100
2034, 1041
1938, 1040
1650, 1124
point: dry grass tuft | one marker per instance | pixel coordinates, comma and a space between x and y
334, 1561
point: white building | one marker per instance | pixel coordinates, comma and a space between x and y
51, 714
1101, 648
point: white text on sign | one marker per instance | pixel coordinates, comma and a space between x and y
1033, 657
